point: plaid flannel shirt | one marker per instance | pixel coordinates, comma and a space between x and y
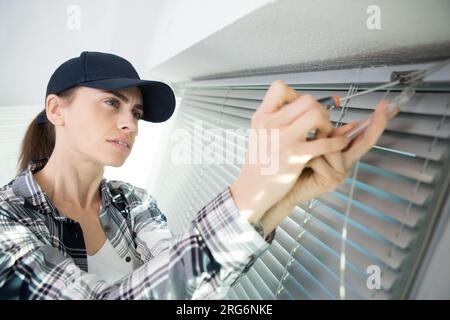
43, 256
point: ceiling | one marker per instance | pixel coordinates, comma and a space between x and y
293, 35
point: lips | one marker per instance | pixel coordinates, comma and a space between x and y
121, 144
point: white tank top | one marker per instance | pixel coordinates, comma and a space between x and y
108, 265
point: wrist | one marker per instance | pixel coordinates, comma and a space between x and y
296, 196
283, 207
247, 201
275, 215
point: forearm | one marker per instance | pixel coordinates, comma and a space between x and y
270, 218
275, 215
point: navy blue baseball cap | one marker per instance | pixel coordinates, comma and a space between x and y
108, 72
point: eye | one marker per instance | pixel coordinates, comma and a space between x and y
113, 102
138, 115
116, 103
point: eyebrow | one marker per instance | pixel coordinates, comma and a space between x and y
124, 98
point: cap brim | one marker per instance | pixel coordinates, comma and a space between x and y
158, 97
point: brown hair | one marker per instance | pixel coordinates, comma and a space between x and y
39, 140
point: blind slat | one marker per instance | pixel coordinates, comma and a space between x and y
384, 227
357, 257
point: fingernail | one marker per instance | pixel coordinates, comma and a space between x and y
386, 108
397, 108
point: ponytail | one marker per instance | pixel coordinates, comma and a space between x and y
39, 139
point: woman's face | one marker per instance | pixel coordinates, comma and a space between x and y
96, 119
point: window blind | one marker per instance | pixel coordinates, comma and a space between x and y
397, 192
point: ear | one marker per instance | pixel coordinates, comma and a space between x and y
53, 108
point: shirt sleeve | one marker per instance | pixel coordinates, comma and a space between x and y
217, 249
201, 263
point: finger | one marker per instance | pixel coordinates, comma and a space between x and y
367, 140
340, 131
336, 161
333, 176
394, 113
319, 164
322, 167
377, 125
313, 119
315, 148
319, 134
390, 115
297, 108
276, 96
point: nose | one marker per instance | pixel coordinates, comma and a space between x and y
127, 122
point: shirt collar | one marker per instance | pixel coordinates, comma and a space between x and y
26, 186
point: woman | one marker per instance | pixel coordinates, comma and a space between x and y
68, 233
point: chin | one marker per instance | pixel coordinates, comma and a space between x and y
114, 157
115, 162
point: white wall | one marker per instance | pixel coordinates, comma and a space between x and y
14, 121
35, 40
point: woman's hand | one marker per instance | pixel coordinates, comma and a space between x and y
278, 150
323, 173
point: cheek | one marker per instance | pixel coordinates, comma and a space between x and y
87, 129
85, 135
